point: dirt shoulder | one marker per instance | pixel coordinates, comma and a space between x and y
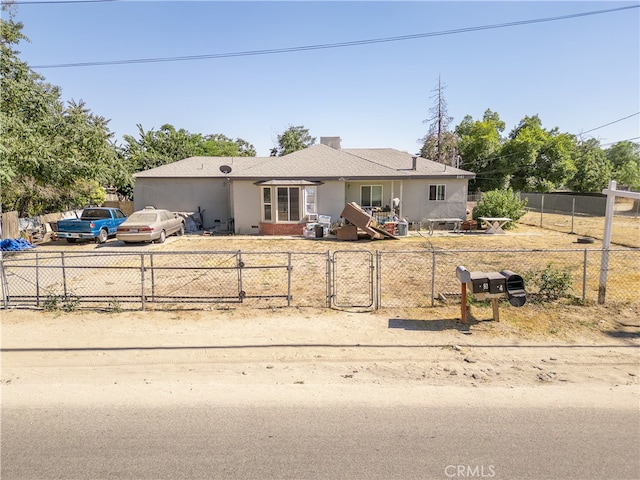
153, 353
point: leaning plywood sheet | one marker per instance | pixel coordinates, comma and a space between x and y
358, 217
384, 233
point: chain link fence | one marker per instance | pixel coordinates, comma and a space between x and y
584, 216
342, 279
350, 278
114, 280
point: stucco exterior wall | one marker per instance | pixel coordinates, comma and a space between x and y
414, 197
216, 198
331, 199
247, 205
390, 190
417, 207
186, 195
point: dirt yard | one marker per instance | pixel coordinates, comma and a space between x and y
554, 343
159, 355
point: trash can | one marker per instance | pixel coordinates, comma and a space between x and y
403, 228
319, 230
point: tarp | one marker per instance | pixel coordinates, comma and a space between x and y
15, 245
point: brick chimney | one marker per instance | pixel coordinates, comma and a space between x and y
333, 142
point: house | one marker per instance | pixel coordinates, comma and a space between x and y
279, 195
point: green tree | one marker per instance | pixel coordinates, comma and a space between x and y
219, 145
291, 140
625, 161
501, 203
47, 149
480, 144
536, 159
156, 148
593, 168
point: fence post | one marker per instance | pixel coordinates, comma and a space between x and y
37, 280
64, 275
433, 279
142, 296
584, 277
153, 278
378, 292
328, 278
289, 268
606, 242
5, 283
239, 265
573, 212
541, 209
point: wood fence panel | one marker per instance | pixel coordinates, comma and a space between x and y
10, 225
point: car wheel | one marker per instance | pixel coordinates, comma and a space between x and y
71, 240
181, 230
103, 236
162, 237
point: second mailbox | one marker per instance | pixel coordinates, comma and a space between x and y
497, 283
516, 294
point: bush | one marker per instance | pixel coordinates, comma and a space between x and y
553, 283
500, 203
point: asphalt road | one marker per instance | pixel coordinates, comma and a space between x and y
338, 440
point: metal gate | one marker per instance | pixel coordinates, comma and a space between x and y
353, 277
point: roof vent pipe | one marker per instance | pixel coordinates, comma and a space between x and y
414, 163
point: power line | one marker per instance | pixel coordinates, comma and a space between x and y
53, 2
610, 123
626, 140
334, 45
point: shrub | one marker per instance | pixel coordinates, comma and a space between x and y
553, 283
500, 203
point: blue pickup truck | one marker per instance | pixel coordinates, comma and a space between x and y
95, 223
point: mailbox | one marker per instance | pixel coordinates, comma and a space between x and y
476, 281
493, 286
488, 285
479, 283
497, 283
516, 293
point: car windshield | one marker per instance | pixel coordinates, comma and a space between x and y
142, 218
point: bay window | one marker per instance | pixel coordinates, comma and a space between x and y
288, 204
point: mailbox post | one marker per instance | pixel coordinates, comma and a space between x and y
491, 285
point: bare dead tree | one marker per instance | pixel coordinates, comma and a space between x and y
439, 143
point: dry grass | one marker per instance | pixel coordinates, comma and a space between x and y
625, 229
522, 237
564, 320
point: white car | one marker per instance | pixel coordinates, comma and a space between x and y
150, 225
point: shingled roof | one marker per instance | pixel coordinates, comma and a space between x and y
319, 162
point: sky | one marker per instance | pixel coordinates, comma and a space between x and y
577, 74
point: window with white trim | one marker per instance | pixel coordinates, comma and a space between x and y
288, 204
437, 193
266, 204
370, 196
309, 200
